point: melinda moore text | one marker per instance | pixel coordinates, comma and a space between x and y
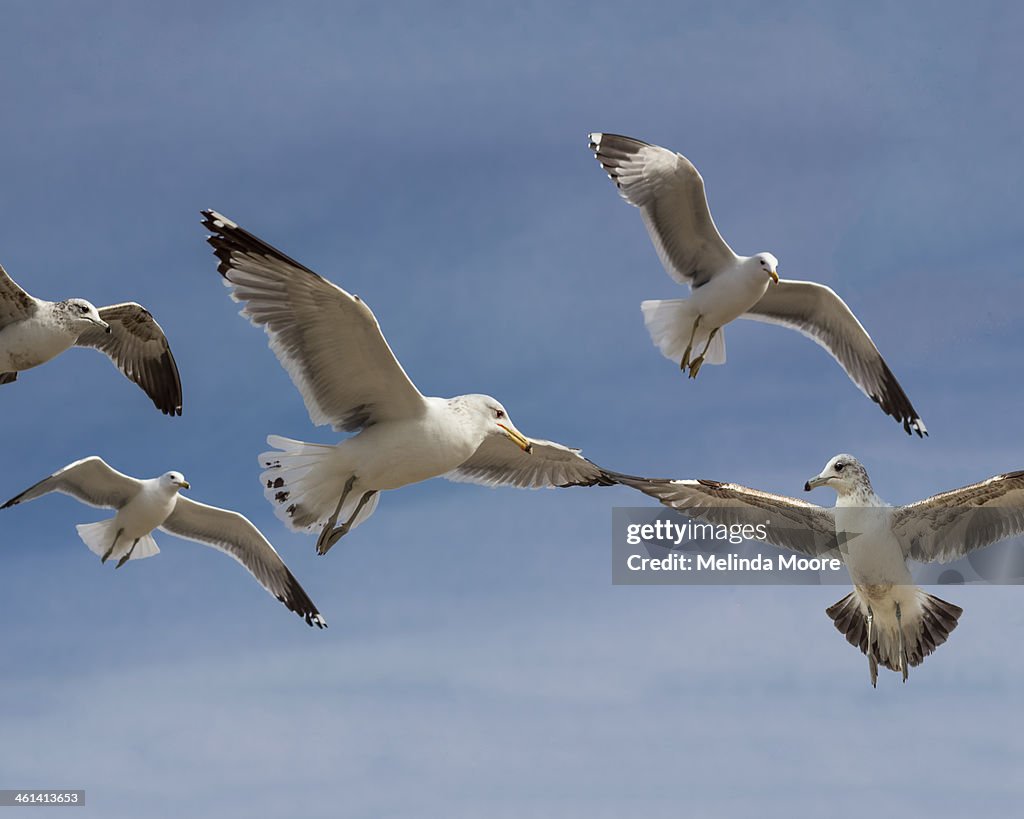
666, 532
730, 563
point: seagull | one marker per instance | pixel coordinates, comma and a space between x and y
145, 505
331, 345
670, 194
892, 621
33, 331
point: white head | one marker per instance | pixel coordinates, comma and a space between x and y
845, 474
489, 417
82, 314
173, 481
768, 264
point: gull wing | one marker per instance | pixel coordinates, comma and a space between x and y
500, 462
90, 480
952, 524
327, 340
139, 349
816, 311
792, 524
234, 535
669, 192
15, 303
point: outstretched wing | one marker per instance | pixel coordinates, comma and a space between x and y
90, 480
328, 340
15, 303
791, 523
950, 525
670, 194
138, 347
500, 462
816, 311
235, 535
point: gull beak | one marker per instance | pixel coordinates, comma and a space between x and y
184, 485
100, 323
517, 438
815, 482
775, 275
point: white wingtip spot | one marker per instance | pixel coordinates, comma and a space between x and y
221, 221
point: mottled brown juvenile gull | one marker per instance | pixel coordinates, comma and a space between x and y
33, 331
145, 505
669, 192
331, 345
892, 621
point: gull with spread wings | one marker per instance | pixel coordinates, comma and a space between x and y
669, 192
145, 505
33, 331
331, 345
892, 621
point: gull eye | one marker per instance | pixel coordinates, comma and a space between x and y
82, 308
839, 467
499, 413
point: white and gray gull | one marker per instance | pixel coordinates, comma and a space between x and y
331, 345
145, 505
34, 331
669, 192
892, 621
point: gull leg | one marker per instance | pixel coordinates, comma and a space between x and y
106, 554
343, 530
321, 544
684, 362
128, 554
872, 660
903, 644
695, 366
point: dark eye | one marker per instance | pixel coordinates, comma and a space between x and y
839, 467
82, 308
499, 413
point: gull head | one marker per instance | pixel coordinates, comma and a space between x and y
768, 264
173, 481
83, 314
845, 474
491, 418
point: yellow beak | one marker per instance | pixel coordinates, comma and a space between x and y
775, 276
185, 485
518, 439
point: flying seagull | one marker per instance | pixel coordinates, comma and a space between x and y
670, 194
145, 505
33, 331
331, 345
892, 621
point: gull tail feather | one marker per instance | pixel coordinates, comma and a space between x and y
670, 322
926, 626
305, 481
99, 537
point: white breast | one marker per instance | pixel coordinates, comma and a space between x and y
34, 341
730, 293
871, 551
146, 511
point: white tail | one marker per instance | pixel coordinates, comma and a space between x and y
670, 322
305, 481
99, 537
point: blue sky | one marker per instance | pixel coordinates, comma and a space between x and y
434, 161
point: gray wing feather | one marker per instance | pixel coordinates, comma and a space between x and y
499, 462
138, 347
794, 524
15, 303
234, 535
90, 480
327, 340
950, 525
818, 313
669, 192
